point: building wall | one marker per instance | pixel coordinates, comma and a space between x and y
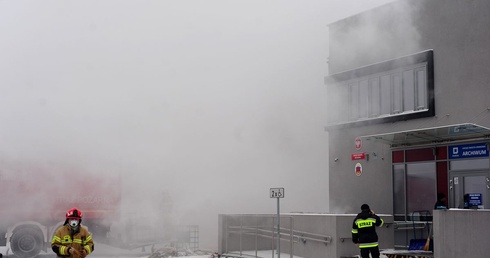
458, 33
461, 233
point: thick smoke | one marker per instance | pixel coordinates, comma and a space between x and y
388, 32
375, 36
198, 108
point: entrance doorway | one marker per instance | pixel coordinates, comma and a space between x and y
469, 190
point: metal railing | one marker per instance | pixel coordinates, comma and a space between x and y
270, 232
409, 230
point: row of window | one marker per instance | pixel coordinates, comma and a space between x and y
391, 93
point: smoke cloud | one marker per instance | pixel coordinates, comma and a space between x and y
199, 106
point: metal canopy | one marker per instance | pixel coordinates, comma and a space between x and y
431, 135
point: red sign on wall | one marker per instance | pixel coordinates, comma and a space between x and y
358, 156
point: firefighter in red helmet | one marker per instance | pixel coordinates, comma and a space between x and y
72, 239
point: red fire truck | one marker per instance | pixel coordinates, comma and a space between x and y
35, 198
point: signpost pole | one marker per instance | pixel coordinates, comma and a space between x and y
278, 231
278, 193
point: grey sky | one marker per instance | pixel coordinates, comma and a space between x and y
210, 102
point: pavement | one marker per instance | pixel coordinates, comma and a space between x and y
106, 251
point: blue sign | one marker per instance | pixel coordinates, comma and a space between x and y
473, 150
474, 199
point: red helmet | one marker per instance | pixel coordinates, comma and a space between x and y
74, 213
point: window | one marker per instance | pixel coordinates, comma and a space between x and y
399, 192
408, 90
415, 182
414, 189
420, 88
421, 187
465, 164
354, 100
397, 98
363, 98
374, 98
385, 94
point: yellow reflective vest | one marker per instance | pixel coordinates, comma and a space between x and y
364, 229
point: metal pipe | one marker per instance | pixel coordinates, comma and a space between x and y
272, 237
227, 235
292, 235
263, 233
278, 231
256, 234
241, 229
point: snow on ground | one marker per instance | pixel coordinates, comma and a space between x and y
265, 254
268, 254
113, 252
103, 251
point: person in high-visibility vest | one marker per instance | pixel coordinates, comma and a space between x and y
72, 240
364, 232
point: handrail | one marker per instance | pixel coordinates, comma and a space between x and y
406, 225
268, 233
312, 234
296, 233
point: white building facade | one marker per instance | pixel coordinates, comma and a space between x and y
409, 112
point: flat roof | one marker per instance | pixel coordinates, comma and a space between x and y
443, 134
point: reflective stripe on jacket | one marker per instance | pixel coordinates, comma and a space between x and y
364, 229
65, 238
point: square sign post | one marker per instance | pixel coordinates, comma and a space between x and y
278, 193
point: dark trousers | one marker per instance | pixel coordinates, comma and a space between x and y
373, 250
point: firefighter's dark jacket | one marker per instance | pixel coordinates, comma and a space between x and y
364, 229
65, 237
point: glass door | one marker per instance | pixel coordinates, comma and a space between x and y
469, 190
